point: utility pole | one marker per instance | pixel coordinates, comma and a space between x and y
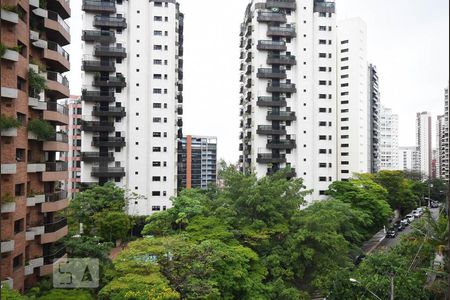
392, 287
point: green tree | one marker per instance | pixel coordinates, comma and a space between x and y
86, 246
368, 197
400, 194
58, 294
112, 226
7, 293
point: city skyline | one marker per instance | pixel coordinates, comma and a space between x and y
420, 89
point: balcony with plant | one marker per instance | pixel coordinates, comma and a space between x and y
42, 129
37, 83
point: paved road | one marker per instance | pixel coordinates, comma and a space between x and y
390, 243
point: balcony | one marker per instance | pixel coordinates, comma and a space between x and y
93, 126
98, 66
8, 207
57, 57
281, 88
9, 93
271, 130
281, 116
281, 144
11, 132
109, 111
33, 200
111, 82
110, 142
55, 171
107, 51
55, 256
99, 6
55, 201
58, 30
57, 85
11, 55
61, 6
7, 246
290, 173
33, 264
112, 22
271, 17
99, 36
323, 6
272, 46
94, 96
270, 158
54, 231
276, 59
281, 31
268, 73
56, 113
286, 4
107, 172
57, 143
271, 102
97, 157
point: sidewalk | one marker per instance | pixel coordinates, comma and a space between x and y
116, 251
374, 242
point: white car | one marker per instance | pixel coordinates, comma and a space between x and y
411, 218
416, 214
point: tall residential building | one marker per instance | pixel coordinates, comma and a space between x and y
374, 119
288, 91
409, 159
443, 140
389, 148
197, 162
353, 109
424, 141
33, 34
73, 156
132, 97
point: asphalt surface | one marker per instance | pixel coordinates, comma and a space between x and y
390, 243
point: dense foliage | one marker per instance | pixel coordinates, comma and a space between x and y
8, 122
41, 128
37, 83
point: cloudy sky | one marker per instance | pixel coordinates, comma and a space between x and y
408, 41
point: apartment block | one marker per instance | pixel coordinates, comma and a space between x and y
374, 111
424, 142
409, 159
33, 60
197, 162
288, 91
389, 148
443, 141
354, 138
132, 97
73, 156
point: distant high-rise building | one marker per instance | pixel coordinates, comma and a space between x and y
197, 162
389, 148
443, 140
409, 159
424, 142
354, 140
73, 156
374, 111
288, 91
132, 97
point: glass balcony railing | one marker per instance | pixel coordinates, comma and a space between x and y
55, 47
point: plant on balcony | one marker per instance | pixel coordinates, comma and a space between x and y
6, 198
8, 122
11, 8
41, 128
3, 49
43, 4
37, 83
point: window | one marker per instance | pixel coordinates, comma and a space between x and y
322, 137
322, 193
158, 4
20, 190
345, 119
345, 93
344, 59
322, 151
322, 55
157, 47
157, 33
345, 163
322, 15
157, 62
344, 42
157, 120
157, 134
156, 193
345, 172
322, 96
156, 164
156, 105
322, 110
322, 124
345, 145
322, 179
345, 68
345, 128
157, 76
156, 178
18, 261
157, 91
322, 42
344, 76
322, 165
158, 18
156, 149
322, 28
156, 208
322, 69
344, 50
19, 226
322, 82
344, 85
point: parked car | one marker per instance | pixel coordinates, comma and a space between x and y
399, 226
359, 259
391, 234
416, 214
410, 217
434, 204
405, 223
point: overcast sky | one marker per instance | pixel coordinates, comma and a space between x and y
408, 40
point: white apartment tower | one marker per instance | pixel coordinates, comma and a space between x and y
288, 90
354, 147
389, 149
409, 159
424, 142
374, 119
132, 97
443, 141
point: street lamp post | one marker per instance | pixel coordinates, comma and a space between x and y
352, 280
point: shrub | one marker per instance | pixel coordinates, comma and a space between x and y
37, 83
8, 122
6, 198
41, 128
2, 49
